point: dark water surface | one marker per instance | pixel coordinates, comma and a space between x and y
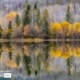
41, 61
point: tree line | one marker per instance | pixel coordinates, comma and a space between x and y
37, 24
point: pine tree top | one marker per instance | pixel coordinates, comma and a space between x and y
35, 6
28, 7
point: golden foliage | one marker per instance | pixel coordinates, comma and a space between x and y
9, 49
54, 26
77, 52
11, 64
10, 15
9, 31
54, 53
65, 55
76, 26
26, 50
26, 30
65, 27
65, 24
70, 29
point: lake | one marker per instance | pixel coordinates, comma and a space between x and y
41, 61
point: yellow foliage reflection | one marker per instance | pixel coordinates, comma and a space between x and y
64, 51
54, 53
11, 64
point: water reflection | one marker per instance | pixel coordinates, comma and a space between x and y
42, 61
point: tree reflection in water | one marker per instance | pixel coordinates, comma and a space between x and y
42, 59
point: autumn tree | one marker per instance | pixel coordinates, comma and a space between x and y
1, 30
9, 31
54, 28
76, 27
26, 31
65, 28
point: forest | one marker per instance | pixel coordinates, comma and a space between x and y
37, 23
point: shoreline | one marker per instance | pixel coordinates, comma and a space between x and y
39, 40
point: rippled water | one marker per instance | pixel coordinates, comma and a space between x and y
41, 61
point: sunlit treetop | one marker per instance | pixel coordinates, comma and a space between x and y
10, 15
76, 26
55, 26
65, 24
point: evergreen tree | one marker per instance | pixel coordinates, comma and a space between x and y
45, 24
18, 59
27, 61
1, 50
17, 20
69, 15
9, 31
1, 30
9, 46
26, 17
35, 6
36, 14
10, 25
38, 17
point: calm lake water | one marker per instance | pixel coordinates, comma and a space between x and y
41, 61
